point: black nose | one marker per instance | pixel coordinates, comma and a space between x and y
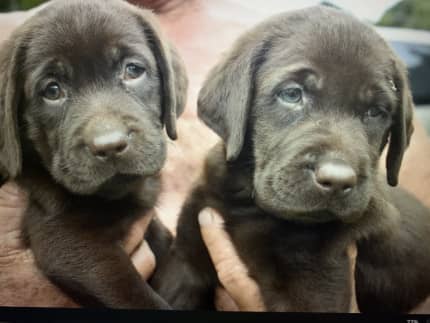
109, 144
335, 176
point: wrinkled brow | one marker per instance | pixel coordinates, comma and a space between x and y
50, 67
135, 50
301, 73
379, 93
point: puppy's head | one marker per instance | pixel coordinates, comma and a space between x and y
317, 94
86, 88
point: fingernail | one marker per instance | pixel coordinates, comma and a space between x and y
205, 217
209, 217
217, 219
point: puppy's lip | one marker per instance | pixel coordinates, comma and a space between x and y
323, 212
121, 179
322, 216
318, 216
118, 185
116, 181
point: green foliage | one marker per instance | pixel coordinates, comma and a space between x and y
408, 14
9, 5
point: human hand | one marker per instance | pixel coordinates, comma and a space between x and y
352, 255
233, 274
22, 284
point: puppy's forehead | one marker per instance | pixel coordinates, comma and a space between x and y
78, 31
330, 43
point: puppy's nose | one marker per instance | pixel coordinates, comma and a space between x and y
335, 176
106, 136
110, 144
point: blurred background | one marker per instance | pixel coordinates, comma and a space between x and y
202, 30
405, 24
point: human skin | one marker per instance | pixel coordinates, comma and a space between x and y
201, 31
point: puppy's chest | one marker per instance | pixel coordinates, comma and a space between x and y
52, 209
276, 251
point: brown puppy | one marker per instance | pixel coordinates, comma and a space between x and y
305, 103
86, 88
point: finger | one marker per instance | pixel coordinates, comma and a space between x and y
352, 255
352, 252
136, 233
422, 308
12, 206
224, 302
11, 196
144, 260
232, 273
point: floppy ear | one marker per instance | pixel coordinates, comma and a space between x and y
227, 94
10, 146
402, 127
174, 82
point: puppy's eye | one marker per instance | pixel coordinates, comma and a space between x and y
53, 91
133, 71
374, 112
291, 95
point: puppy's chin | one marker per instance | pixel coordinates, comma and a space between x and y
111, 179
307, 215
112, 187
119, 186
318, 216
110, 183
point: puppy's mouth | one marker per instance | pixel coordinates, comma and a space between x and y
293, 193
317, 216
323, 211
87, 176
104, 182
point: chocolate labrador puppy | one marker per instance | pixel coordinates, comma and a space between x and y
86, 89
305, 103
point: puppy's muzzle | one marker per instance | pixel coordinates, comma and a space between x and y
319, 170
107, 138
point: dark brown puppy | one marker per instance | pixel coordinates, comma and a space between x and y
305, 103
86, 88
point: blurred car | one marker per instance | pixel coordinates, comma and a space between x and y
413, 47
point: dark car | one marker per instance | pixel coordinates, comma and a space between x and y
413, 46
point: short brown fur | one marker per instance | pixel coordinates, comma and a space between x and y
291, 234
83, 201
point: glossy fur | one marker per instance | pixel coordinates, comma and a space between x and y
291, 234
81, 205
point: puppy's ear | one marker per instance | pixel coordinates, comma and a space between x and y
174, 82
227, 94
402, 127
11, 54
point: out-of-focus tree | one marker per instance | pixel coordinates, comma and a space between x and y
408, 14
9, 5
329, 4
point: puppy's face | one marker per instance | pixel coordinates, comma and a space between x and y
329, 110
95, 94
327, 93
